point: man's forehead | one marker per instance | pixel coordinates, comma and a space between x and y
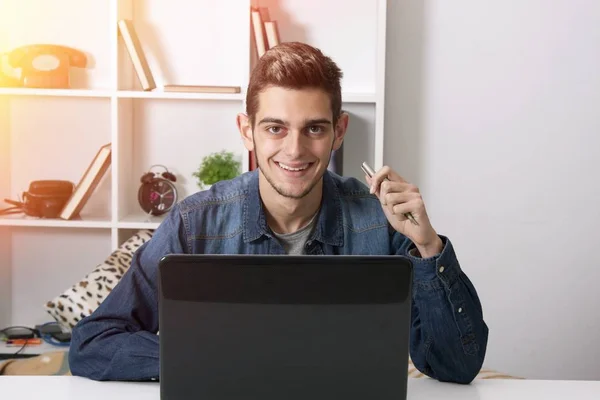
294, 106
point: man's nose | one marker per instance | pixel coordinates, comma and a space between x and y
294, 144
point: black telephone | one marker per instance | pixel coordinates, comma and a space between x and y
45, 199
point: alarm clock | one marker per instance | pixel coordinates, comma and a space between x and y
157, 194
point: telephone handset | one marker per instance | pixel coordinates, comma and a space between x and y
46, 65
6, 80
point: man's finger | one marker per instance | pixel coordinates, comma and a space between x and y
390, 174
393, 176
369, 183
385, 173
400, 209
393, 198
392, 187
379, 177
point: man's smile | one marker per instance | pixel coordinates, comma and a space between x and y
294, 169
293, 166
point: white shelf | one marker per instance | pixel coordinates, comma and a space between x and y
358, 98
56, 92
139, 220
206, 42
125, 94
24, 220
132, 221
157, 94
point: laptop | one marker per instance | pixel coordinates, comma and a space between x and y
275, 327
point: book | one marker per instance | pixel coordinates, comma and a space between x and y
88, 183
136, 53
202, 89
259, 35
252, 161
272, 33
264, 13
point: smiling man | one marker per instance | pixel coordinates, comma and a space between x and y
292, 148
293, 205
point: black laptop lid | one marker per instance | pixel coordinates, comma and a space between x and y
284, 327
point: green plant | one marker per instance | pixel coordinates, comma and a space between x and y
217, 167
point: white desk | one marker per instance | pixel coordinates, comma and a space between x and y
75, 388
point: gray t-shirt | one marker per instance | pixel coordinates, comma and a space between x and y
293, 243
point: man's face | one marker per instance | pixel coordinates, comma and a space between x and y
293, 137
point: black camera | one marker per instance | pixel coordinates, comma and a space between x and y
45, 198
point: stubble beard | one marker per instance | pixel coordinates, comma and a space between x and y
280, 190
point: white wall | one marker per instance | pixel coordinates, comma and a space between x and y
492, 108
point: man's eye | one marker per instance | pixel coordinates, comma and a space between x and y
274, 129
315, 129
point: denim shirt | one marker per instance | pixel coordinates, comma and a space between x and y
119, 341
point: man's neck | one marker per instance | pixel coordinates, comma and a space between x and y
286, 215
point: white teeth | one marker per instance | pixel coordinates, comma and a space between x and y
293, 169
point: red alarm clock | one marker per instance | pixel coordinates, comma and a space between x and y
157, 194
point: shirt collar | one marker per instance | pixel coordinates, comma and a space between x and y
328, 227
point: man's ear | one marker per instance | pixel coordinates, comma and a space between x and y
340, 130
243, 124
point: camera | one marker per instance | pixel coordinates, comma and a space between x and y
45, 198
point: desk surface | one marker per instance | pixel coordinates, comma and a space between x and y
75, 388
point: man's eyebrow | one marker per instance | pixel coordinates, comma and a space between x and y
317, 121
269, 120
307, 122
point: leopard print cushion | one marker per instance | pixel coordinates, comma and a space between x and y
80, 300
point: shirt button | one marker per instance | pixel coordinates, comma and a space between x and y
442, 268
459, 309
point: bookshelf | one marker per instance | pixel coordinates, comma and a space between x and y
55, 133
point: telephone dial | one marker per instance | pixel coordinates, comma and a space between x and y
45, 65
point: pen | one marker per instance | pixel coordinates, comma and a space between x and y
369, 171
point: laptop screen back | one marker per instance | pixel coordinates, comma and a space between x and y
284, 327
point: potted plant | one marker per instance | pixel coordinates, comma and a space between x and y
217, 167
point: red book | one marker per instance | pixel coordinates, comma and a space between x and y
253, 165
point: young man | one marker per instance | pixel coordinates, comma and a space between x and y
293, 205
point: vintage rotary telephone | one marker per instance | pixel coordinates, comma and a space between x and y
44, 199
44, 65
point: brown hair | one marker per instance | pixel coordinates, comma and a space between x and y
295, 65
